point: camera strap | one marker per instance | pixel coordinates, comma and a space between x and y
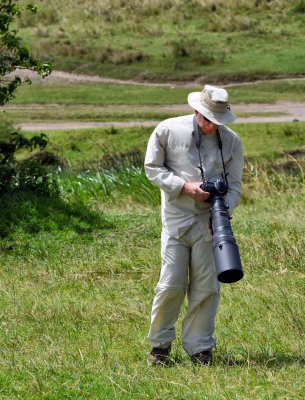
197, 136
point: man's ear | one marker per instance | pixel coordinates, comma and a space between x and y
196, 112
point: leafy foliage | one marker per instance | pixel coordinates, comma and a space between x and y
31, 174
14, 54
19, 141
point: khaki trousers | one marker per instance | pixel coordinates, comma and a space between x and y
187, 267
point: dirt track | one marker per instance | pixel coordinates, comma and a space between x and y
60, 76
290, 111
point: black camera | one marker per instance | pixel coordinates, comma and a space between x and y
215, 188
226, 253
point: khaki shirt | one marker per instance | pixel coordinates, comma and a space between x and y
172, 159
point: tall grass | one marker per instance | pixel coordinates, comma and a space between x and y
127, 185
114, 187
270, 179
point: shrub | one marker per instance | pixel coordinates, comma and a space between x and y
34, 177
195, 51
31, 174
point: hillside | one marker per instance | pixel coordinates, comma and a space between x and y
170, 39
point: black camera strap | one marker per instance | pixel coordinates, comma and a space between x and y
223, 163
197, 135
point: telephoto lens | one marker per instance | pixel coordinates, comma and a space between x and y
226, 253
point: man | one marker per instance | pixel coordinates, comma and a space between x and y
175, 161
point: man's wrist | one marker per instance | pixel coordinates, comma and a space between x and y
185, 188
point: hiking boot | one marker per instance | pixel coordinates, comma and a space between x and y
159, 356
202, 358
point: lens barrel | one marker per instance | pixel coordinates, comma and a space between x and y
226, 254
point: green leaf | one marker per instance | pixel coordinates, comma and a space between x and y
14, 10
24, 53
13, 53
44, 69
32, 8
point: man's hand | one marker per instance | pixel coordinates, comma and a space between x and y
193, 190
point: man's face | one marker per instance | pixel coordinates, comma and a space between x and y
207, 127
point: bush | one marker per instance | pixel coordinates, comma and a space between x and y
34, 177
31, 174
194, 50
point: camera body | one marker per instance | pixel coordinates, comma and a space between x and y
215, 188
226, 253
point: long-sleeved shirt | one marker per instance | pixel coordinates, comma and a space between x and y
172, 159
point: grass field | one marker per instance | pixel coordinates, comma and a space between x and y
77, 301
77, 276
48, 92
88, 147
170, 40
46, 100
77, 271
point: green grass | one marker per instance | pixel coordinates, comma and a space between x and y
77, 272
87, 113
98, 94
279, 137
76, 306
175, 40
77, 286
89, 147
84, 113
44, 101
102, 94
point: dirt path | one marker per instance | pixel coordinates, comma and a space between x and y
283, 111
290, 112
60, 76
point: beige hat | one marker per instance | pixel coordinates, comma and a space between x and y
212, 103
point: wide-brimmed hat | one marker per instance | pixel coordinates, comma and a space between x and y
212, 103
